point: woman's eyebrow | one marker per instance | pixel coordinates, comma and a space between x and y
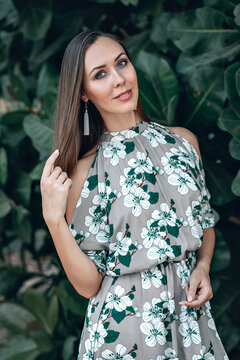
101, 66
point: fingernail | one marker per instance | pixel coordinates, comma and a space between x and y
189, 298
56, 151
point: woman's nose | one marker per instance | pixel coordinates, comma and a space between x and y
118, 79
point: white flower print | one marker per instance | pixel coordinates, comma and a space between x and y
121, 246
168, 302
129, 182
204, 355
152, 311
187, 313
190, 332
194, 218
137, 200
165, 215
151, 235
84, 193
96, 221
156, 333
118, 300
114, 150
120, 353
103, 236
151, 277
97, 335
141, 164
182, 155
183, 272
183, 181
160, 252
168, 355
154, 137
169, 163
103, 195
89, 353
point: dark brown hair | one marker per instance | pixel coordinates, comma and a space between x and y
69, 138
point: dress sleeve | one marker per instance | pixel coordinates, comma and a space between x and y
208, 217
90, 225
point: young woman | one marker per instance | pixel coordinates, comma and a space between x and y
129, 213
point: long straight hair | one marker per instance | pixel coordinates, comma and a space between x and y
69, 138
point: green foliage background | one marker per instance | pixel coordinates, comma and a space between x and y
187, 56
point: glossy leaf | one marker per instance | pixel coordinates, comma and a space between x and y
35, 17
201, 30
22, 224
40, 133
229, 121
3, 166
236, 13
19, 346
221, 257
234, 149
5, 204
14, 317
17, 90
53, 312
23, 187
236, 184
231, 87
68, 348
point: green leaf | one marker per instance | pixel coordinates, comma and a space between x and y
68, 347
237, 77
153, 197
159, 33
18, 346
5, 204
125, 260
229, 121
22, 224
17, 90
201, 30
3, 166
36, 173
35, 17
230, 87
236, 13
70, 299
15, 317
93, 182
118, 316
37, 303
40, 133
129, 146
173, 230
176, 250
236, 184
221, 256
22, 188
129, 2
158, 84
150, 177
111, 336
53, 313
14, 133
47, 80
234, 149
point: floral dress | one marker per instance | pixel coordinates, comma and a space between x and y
140, 218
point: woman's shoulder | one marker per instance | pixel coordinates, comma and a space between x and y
78, 178
187, 135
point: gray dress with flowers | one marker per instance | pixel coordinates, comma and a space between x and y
140, 218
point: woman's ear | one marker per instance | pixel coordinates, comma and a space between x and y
84, 98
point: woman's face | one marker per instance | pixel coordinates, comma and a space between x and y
108, 73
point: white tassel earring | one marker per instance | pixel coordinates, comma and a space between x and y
86, 121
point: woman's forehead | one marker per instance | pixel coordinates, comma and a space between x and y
102, 51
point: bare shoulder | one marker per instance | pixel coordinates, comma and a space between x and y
186, 134
78, 178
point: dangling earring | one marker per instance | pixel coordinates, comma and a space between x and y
86, 121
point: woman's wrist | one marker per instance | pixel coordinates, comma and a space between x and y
204, 263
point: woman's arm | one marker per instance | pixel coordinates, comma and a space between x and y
79, 268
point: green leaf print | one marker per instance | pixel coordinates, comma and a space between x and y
169, 139
125, 260
176, 250
118, 316
93, 181
164, 279
173, 230
129, 147
169, 336
145, 187
150, 177
111, 336
153, 197
130, 309
106, 324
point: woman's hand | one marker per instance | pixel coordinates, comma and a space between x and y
199, 290
55, 186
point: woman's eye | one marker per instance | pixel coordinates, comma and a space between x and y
99, 75
122, 63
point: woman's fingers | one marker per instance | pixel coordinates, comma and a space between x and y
48, 168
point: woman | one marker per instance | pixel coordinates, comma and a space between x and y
129, 214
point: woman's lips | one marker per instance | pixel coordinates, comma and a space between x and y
126, 95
